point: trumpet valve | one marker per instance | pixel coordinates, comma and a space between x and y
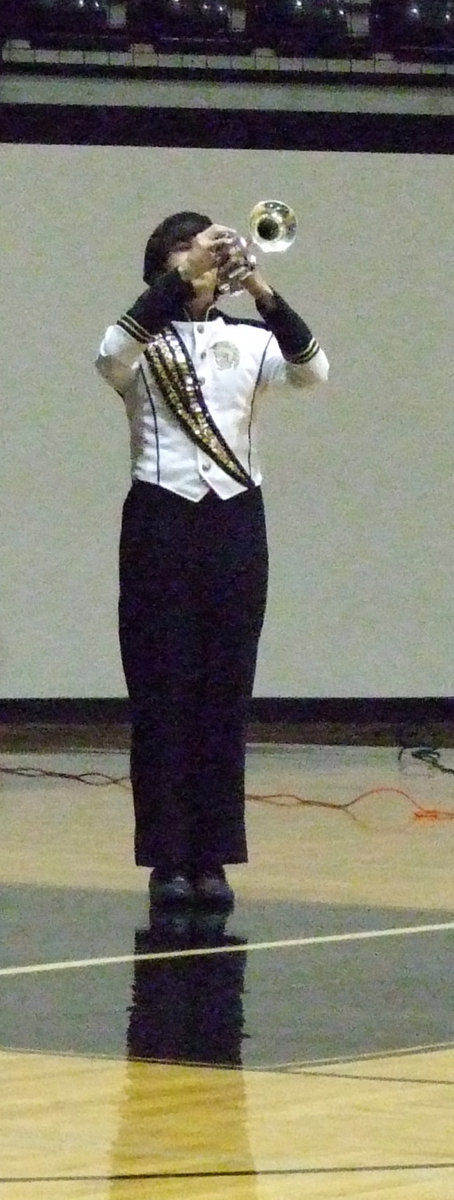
239, 264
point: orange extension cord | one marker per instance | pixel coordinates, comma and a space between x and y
425, 754
286, 800
291, 801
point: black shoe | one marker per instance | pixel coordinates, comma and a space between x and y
212, 890
170, 887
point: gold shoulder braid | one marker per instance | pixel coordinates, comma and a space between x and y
174, 372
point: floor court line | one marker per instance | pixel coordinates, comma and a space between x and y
289, 943
393, 1079
366, 1056
376, 1169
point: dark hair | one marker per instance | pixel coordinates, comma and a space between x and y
179, 227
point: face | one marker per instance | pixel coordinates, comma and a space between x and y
206, 284
178, 254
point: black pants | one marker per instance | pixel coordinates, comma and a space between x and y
193, 582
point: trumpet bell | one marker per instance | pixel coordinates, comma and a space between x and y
272, 226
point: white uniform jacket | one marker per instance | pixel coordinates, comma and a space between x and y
235, 360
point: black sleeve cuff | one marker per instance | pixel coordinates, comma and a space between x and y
295, 339
162, 302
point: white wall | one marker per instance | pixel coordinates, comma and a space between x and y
358, 477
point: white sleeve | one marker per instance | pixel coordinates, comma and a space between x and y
311, 368
122, 345
119, 356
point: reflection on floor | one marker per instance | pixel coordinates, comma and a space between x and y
262, 1008
211, 1063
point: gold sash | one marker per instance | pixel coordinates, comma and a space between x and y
174, 372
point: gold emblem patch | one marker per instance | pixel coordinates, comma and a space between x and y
226, 355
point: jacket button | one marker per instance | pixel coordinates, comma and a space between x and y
200, 329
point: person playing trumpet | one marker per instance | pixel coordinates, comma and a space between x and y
193, 559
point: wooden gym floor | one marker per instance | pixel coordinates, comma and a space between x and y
302, 1047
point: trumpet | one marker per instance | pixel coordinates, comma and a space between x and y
272, 227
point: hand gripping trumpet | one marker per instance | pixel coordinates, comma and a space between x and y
272, 227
